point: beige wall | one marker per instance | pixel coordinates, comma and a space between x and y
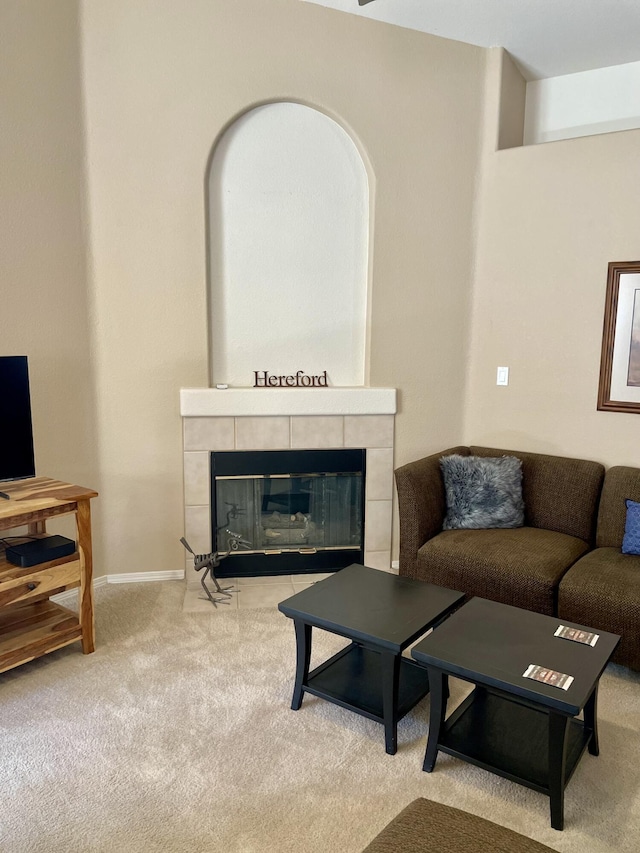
162, 81
513, 96
44, 307
551, 217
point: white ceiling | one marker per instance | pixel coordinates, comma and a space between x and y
547, 38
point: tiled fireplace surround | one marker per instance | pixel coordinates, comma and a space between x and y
283, 419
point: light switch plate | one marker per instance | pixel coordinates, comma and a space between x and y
502, 377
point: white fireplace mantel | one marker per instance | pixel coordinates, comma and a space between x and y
265, 402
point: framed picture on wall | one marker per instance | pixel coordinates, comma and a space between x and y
619, 387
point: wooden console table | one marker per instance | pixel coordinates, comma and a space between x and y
30, 624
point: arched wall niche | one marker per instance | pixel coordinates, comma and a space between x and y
288, 208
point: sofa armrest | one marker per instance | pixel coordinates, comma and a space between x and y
429, 825
421, 505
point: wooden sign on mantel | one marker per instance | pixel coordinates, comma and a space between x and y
264, 379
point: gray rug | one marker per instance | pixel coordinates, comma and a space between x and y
176, 735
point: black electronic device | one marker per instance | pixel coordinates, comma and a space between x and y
16, 447
40, 551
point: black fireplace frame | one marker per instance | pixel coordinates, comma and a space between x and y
294, 462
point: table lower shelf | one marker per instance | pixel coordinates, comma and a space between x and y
353, 679
508, 738
37, 628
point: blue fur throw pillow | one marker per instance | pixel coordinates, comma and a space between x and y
631, 541
482, 491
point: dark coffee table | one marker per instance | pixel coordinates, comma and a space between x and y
520, 729
381, 614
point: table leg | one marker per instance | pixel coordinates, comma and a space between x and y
390, 679
439, 690
303, 658
558, 727
83, 527
591, 720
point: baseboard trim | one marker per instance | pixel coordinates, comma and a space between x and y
133, 577
142, 577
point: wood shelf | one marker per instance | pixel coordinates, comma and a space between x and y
30, 624
43, 580
352, 678
508, 738
30, 630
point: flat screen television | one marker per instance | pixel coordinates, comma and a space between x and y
16, 433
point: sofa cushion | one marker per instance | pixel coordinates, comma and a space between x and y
560, 493
425, 825
520, 566
631, 539
602, 590
620, 483
482, 492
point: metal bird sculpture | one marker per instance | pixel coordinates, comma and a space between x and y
209, 562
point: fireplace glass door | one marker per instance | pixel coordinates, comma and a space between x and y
279, 521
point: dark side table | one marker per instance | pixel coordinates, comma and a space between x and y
381, 614
518, 728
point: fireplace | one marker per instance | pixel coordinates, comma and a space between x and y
260, 420
282, 512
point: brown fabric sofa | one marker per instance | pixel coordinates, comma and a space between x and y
521, 566
428, 826
602, 589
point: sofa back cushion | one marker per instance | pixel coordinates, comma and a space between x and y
620, 483
560, 493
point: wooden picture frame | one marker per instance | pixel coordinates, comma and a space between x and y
619, 386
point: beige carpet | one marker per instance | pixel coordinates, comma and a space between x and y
176, 735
